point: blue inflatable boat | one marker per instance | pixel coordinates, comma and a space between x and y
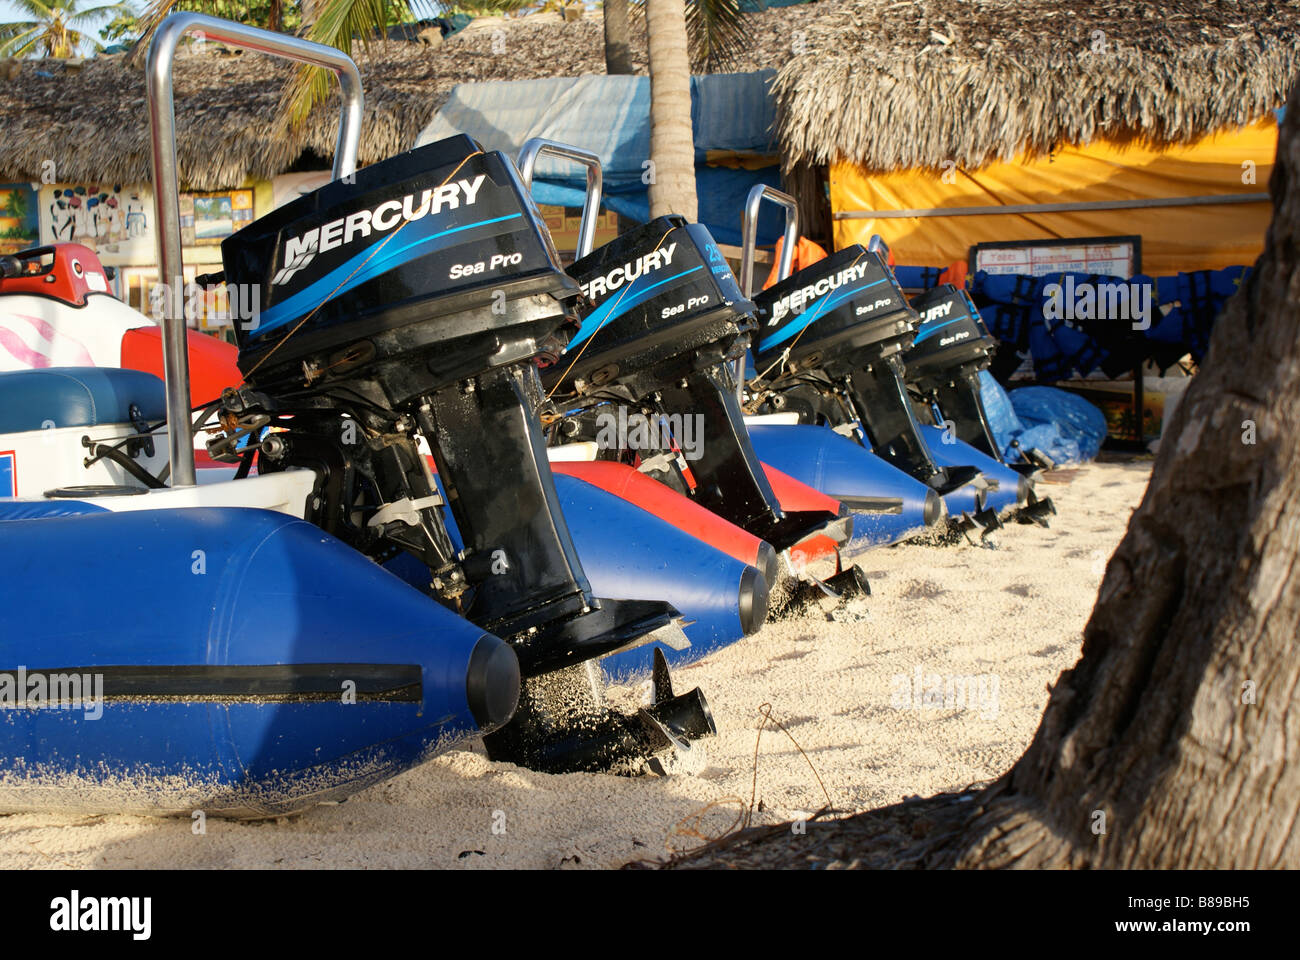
224, 660
888, 505
232, 639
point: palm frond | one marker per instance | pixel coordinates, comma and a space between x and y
155, 13
33, 8
98, 13
8, 30
17, 39
335, 23
715, 32
75, 40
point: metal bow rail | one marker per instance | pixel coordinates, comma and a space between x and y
162, 131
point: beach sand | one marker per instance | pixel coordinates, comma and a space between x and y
935, 682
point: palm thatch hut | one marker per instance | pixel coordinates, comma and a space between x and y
947, 122
908, 108
74, 133
90, 119
89, 116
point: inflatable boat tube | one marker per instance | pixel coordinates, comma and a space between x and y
230, 660
1007, 489
631, 554
887, 504
630, 484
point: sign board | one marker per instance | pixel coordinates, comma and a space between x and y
208, 218
19, 223
1108, 256
113, 220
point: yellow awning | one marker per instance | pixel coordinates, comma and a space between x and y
1199, 206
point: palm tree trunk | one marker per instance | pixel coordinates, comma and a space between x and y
618, 47
618, 61
1177, 727
1171, 743
672, 148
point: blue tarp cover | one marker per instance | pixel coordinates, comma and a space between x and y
730, 112
1063, 425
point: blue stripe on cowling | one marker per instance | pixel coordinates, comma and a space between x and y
823, 303
284, 311
606, 312
926, 334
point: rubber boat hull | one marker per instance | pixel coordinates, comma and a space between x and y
1007, 489
667, 504
840, 468
649, 558
630, 484
247, 664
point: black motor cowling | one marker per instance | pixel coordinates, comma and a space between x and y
835, 314
409, 302
426, 267
831, 342
658, 293
951, 347
944, 363
663, 319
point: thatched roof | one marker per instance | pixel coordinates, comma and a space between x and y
90, 119
883, 83
894, 84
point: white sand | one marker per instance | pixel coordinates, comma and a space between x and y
1011, 616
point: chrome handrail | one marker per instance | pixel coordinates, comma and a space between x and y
539, 146
749, 233
162, 132
749, 243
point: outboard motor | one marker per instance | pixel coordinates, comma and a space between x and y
830, 347
405, 306
951, 348
662, 322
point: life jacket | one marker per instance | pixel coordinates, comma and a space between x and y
918, 278
955, 273
806, 253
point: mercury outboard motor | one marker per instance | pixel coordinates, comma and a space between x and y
403, 309
951, 348
663, 320
830, 346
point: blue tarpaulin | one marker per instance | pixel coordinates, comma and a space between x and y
1063, 425
732, 115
